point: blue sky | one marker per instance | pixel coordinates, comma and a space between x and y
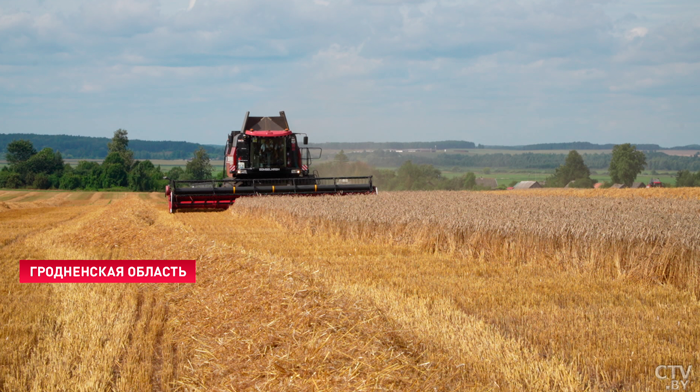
493, 72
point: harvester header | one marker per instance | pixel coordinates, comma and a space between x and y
263, 158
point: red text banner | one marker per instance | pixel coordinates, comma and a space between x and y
107, 271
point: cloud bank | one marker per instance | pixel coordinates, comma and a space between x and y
496, 72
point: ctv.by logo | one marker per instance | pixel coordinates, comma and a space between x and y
662, 373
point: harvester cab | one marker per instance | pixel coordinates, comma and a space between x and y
263, 158
266, 148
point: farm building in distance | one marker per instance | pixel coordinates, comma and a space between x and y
618, 186
527, 185
637, 185
491, 183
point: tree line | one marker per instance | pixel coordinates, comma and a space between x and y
439, 145
573, 146
409, 176
45, 169
96, 148
624, 165
655, 160
84, 147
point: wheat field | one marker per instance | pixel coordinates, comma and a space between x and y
411, 291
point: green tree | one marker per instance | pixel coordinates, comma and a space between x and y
469, 180
45, 161
70, 181
10, 179
145, 177
685, 178
417, 177
90, 174
41, 181
19, 151
341, 158
140, 176
384, 178
159, 182
113, 176
175, 173
199, 167
626, 163
572, 169
114, 158
114, 171
120, 145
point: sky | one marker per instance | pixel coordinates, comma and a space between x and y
496, 72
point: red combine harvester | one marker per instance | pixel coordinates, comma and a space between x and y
655, 183
263, 158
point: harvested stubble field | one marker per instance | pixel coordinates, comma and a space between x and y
401, 291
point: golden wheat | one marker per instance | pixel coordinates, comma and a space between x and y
590, 305
656, 238
405, 291
247, 324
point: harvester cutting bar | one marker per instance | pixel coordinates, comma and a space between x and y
220, 194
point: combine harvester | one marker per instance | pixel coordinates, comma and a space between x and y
263, 158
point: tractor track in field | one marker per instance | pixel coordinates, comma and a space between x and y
21, 197
40, 214
47, 241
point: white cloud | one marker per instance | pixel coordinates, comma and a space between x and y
640, 32
119, 17
90, 88
548, 64
339, 62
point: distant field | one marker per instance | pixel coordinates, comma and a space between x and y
508, 176
476, 151
683, 153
